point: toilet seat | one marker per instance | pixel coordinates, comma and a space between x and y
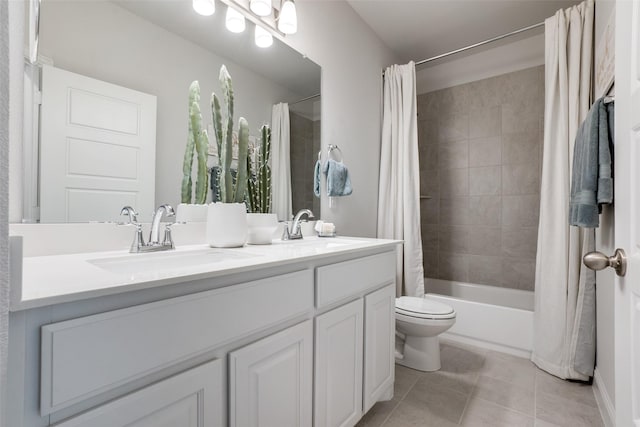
424, 308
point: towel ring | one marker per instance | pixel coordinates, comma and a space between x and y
334, 147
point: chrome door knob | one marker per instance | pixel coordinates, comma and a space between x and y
599, 261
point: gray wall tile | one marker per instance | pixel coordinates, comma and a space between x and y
485, 210
453, 155
485, 122
480, 156
521, 179
520, 211
485, 151
485, 241
454, 182
485, 181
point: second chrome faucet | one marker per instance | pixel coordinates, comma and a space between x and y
154, 243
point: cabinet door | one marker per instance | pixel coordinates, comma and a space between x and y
271, 380
190, 399
379, 357
338, 371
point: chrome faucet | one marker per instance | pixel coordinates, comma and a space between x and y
154, 243
295, 232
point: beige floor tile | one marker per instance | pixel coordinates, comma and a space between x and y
441, 402
407, 415
378, 414
511, 369
461, 362
581, 393
482, 413
566, 412
436, 381
405, 379
506, 394
543, 423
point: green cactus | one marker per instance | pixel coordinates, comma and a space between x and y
232, 189
198, 141
259, 177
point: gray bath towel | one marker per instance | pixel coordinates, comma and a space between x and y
591, 180
338, 181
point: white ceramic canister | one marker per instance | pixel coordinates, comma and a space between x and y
226, 225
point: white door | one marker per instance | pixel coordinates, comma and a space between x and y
97, 149
190, 399
338, 371
379, 344
270, 381
627, 213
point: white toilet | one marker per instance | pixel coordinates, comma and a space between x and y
420, 321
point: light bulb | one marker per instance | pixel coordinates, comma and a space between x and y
235, 21
261, 7
262, 37
288, 21
204, 7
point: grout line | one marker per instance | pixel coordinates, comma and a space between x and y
390, 413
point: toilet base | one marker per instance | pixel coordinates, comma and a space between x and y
421, 353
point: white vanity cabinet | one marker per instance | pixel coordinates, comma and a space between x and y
190, 399
270, 381
354, 343
300, 344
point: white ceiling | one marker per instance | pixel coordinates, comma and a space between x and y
419, 29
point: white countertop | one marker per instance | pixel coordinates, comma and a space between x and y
54, 279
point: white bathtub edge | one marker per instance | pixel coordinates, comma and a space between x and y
448, 337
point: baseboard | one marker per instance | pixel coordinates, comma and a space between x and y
485, 344
605, 405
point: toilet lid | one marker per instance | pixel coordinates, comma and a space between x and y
423, 307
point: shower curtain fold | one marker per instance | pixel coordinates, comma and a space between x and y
564, 336
399, 187
281, 162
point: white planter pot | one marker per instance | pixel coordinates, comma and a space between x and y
262, 226
226, 225
187, 212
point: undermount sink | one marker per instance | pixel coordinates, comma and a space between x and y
166, 261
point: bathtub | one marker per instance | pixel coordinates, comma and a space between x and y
487, 316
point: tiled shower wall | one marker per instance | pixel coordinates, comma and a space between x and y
480, 153
304, 147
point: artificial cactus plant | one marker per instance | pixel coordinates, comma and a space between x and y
259, 176
197, 141
232, 190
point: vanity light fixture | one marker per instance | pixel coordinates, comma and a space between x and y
261, 7
288, 20
263, 38
235, 21
204, 7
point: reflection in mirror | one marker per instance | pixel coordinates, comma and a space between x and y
134, 62
305, 145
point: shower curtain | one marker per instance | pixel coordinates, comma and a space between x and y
280, 162
564, 338
399, 188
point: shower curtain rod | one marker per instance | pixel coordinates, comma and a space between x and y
305, 99
491, 40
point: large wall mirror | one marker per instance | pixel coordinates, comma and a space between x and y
134, 61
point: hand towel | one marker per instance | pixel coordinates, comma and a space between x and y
338, 181
591, 177
316, 179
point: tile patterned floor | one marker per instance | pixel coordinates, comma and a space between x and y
477, 387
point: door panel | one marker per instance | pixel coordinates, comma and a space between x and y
97, 149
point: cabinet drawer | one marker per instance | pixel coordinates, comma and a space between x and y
190, 399
84, 357
339, 281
